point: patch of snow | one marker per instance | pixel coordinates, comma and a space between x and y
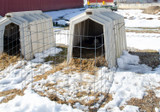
39, 57
130, 108
143, 40
142, 23
20, 74
32, 102
127, 85
65, 14
62, 22
157, 109
62, 37
1, 98
128, 62
123, 85
135, 18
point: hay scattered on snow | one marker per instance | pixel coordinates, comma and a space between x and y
11, 94
6, 60
86, 65
152, 10
56, 68
90, 103
147, 104
76, 65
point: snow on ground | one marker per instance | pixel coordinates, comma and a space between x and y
32, 102
20, 74
129, 62
130, 80
122, 83
143, 40
127, 84
62, 37
39, 57
135, 18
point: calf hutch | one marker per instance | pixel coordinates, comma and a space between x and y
94, 29
26, 33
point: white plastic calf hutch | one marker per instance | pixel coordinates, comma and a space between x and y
33, 29
95, 22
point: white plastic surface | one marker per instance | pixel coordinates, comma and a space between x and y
113, 29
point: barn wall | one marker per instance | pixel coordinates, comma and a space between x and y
44, 5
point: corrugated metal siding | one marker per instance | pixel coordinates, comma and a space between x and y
92, 1
44, 5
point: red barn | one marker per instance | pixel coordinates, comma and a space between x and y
44, 5
100, 1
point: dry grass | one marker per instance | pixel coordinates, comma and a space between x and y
59, 67
37, 67
144, 31
58, 58
152, 10
76, 65
147, 104
90, 103
53, 97
86, 65
11, 94
107, 98
81, 94
6, 60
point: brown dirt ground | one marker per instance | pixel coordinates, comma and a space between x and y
147, 104
148, 57
152, 10
6, 60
